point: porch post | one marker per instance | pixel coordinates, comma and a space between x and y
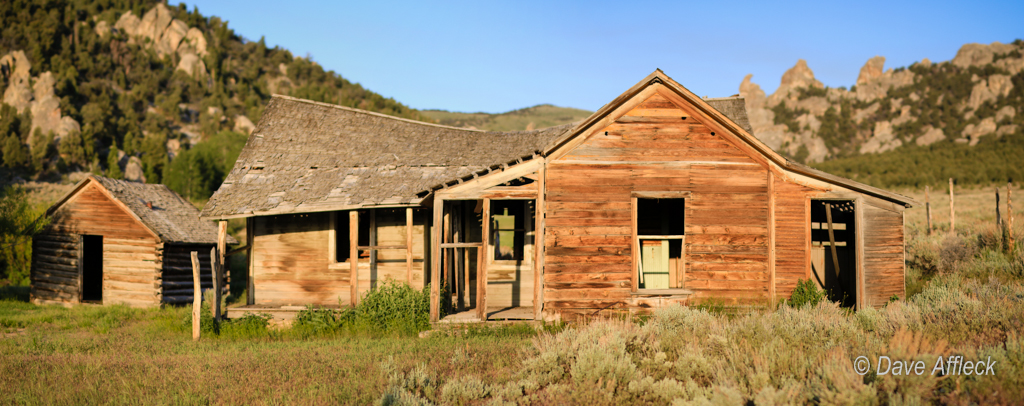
218, 271
481, 268
435, 261
538, 248
353, 256
408, 246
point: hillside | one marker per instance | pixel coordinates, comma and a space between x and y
905, 126
540, 116
126, 87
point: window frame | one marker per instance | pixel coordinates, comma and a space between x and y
635, 238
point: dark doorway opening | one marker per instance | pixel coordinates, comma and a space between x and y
92, 268
834, 259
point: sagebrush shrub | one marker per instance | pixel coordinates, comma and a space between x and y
806, 294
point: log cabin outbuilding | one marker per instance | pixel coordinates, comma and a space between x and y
114, 241
660, 197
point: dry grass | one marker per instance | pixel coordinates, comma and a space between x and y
965, 297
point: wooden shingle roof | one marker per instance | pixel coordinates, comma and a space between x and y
165, 213
307, 156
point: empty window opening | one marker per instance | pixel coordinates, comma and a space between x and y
508, 228
661, 229
92, 268
833, 249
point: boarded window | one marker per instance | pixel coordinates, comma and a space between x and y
660, 229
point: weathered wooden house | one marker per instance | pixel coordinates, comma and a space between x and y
112, 241
660, 197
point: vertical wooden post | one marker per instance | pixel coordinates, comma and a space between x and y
771, 239
353, 256
408, 245
250, 264
215, 306
1009, 217
538, 247
999, 220
222, 246
928, 209
952, 209
483, 258
373, 251
197, 296
435, 261
832, 237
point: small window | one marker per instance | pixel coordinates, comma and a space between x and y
660, 225
508, 225
342, 242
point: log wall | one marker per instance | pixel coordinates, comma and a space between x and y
176, 282
651, 148
54, 273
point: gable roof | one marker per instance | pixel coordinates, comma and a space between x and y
306, 156
171, 218
729, 113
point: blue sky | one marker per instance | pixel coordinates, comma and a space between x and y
497, 56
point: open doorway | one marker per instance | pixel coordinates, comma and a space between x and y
833, 249
92, 268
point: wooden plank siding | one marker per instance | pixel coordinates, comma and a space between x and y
292, 261
588, 262
884, 259
791, 236
132, 255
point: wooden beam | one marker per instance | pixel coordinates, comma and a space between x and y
353, 256
197, 296
373, 242
222, 246
250, 237
483, 258
832, 238
538, 246
215, 308
332, 238
462, 245
408, 246
860, 230
435, 261
771, 237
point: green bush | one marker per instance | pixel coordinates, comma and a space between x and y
395, 307
806, 294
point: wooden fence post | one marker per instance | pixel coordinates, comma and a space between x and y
952, 209
1009, 216
197, 296
999, 221
215, 308
928, 209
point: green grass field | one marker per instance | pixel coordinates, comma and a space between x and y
966, 297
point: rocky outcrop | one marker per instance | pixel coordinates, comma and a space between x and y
883, 122
133, 170
168, 36
244, 125
989, 90
39, 100
871, 70
16, 69
980, 54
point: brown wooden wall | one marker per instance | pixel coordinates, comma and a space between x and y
587, 256
791, 235
54, 273
132, 256
176, 282
884, 260
290, 261
292, 264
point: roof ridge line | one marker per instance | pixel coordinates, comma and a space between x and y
374, 113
